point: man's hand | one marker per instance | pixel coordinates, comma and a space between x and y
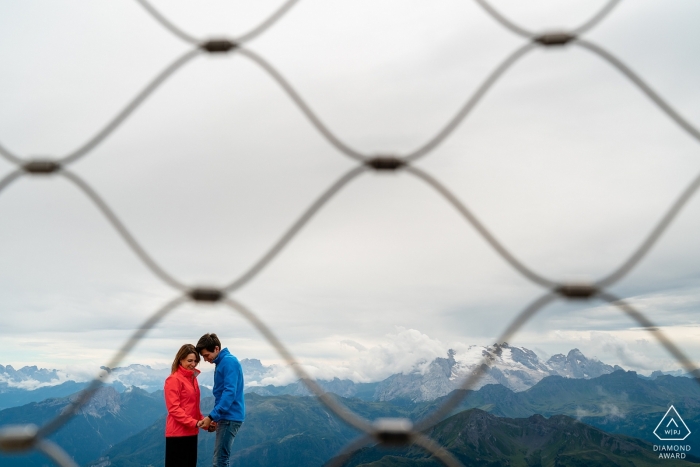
204, 423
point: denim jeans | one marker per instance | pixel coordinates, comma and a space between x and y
226, 430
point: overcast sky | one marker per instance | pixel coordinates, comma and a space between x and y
564, 160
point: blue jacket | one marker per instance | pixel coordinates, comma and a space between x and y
228, 388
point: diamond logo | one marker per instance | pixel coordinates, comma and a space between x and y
672, 427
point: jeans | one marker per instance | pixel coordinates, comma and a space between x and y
226, 430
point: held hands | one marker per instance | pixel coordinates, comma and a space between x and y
204, 423
207, 424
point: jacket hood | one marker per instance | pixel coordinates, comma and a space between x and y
224, 352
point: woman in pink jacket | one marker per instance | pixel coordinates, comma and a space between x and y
182, 402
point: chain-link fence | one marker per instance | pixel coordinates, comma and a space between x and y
391, 432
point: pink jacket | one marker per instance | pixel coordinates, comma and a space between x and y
182, 401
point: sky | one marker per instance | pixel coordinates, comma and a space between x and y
566, 162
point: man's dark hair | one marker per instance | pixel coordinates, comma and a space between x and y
208, 341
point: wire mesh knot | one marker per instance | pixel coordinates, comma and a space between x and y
555, 38
393, 431
40, 166
577, 291
204, 294
17, 438
218, 45
385, 163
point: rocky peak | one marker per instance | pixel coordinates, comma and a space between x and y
27, 373
253, 369
105, 400
576, 365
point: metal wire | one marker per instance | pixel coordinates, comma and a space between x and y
349, 417
511, 26
306, 110
663, 105
294, 229
418, 439
9, 178
348, 451
128, 346
250, 35
456, 397
122, 230
438, 451
30, 437
471, 103
167, 24
505, 22
138, 100
462, 209
655, 234
262, 27
13, 158
647, 325
596, 19
54, 452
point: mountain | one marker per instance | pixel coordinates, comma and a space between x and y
620, 402
32, 384
478, 438
14, 397
30, 377
109, 418
516, 368
340, 387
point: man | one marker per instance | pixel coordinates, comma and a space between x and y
229, 407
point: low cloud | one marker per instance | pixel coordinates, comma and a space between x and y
403, 351
31, 384
609, 411
354, 345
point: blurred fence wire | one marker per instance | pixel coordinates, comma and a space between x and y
389, 432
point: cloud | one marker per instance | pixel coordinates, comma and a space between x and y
29, 383
618, 347
354, 345
403, 351
609, 411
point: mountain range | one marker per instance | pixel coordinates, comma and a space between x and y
585, 423
126, 429
109, 417
516, 368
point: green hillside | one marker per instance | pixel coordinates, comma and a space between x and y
477, 438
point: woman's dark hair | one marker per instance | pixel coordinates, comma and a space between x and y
208, 341
182, 354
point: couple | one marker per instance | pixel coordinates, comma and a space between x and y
182, 401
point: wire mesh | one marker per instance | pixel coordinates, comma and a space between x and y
391, 432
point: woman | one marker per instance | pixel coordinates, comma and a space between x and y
182, 402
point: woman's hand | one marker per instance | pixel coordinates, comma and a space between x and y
204, 423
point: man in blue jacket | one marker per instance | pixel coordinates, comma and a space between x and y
229, 406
